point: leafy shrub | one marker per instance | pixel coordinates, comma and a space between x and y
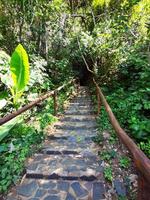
14, 153
108, 173
19, 69
46, 119
128, 96
124, 162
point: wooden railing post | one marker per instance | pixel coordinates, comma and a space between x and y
143, 188
55, 103
77, 84
98, 102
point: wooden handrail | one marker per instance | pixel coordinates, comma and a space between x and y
141, 161
34, 103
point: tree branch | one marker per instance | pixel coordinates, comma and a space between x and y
84, 58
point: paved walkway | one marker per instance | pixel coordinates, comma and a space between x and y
67, 168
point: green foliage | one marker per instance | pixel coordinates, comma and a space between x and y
4, 72
145, 146
103, 121
128, 96
5, 129
140, 15
108, 173
124, 162
98, 139
19, 68
13, 155
101, 3
113, 138
46, 119
107, 155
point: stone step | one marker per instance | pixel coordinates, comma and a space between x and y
82, 107
78, 118
77, 109
74, 128
79, 145
40, 189
81, 97
76, 125
79, 112
75, 133
67, 137
81, 104
86, 166
82, 101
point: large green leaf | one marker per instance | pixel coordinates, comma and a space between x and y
4, 129
19, 67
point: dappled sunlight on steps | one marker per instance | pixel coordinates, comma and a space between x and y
67, 167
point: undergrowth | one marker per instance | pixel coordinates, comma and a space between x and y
26, 138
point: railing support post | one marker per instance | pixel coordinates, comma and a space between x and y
98, 102
55, 103
143, 188
77, 84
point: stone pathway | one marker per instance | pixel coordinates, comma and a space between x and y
67, 168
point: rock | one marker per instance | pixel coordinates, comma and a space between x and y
53, 192
70, 197
10, 198
28, 189
98, 191
63, 185
78, 189
120, 188
72, 168
40, 193
88, 154
58, 171
52, 197
90, 172
48, 185
88, 185
106, 135
32, 166
103, 164
133, 178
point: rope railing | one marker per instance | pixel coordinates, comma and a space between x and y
141, 161
35, 103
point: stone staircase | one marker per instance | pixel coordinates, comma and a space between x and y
67, 168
